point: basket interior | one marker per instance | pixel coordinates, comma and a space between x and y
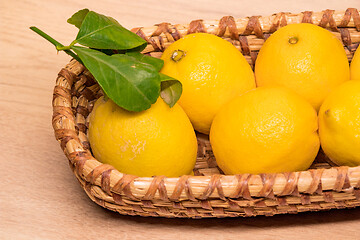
205, 164
247, 35
85, 90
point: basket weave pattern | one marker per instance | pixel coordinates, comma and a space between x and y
209, 193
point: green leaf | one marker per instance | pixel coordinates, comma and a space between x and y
102, 32
131, 84
106, 51
78, 17
155, 62
171, 89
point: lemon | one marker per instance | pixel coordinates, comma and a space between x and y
339, 124
212, 72
355, 66
266, 130
304, 58
158, 141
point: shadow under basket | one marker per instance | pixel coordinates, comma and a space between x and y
209, 193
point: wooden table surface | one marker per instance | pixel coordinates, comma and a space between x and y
39, 196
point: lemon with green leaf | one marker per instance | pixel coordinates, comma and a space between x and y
157, 141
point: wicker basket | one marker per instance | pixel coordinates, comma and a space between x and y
209, 193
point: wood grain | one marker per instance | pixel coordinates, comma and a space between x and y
40, 198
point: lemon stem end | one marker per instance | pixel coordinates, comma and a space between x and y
293, 40
177, 55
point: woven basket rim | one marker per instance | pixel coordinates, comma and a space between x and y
193, 188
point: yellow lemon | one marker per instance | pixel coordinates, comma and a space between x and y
304, 58
266, 130
339, 124
355, 66
212, 72
158, 141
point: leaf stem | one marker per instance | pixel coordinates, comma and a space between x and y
64, 48
59, 46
